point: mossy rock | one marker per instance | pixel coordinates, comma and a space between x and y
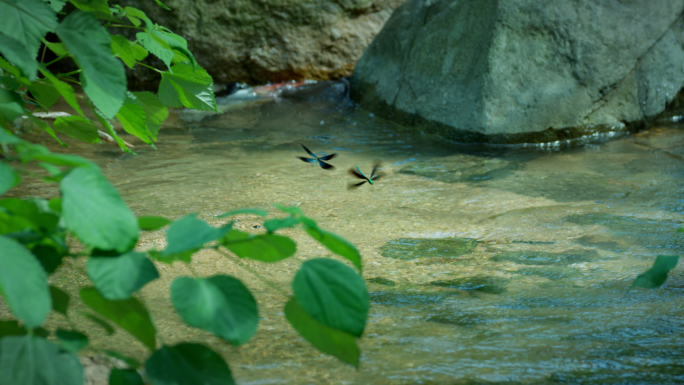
545, 258
459, 319
483, 284
414, 248
382, 281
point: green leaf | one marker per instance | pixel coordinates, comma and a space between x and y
60, 300
29, 360
107, 127
7, 138
16, 53
657, 274
219, 304
129, 314
335, 243
48, 256
332, 294
187, 235
64, 89
152, 223
23, 283
40, 153
45, 94
102, 323
12, 328
132, 362
58, 48
259, 212
56, 5
45, 127
78, 127
8, 178
156, 45
35, 210
71, 340
162, 5
103, 77
263, 247
272, 225
187, 86
93, 210
27, 21
132, 118
155, 112
125, 377
135, 16
187, 363
123, 48
92, 6
11, 105
328, 340
117, 278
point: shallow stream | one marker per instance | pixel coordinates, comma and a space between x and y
485, 264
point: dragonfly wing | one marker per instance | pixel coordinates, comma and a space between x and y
378, 176
325, 166
376, 166
354, 185
308, 151
307, 160
327, 157
357, 174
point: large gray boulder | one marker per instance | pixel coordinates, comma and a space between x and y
523, 70
271, 40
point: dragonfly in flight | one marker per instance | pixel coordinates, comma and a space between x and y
315, 159
375, 175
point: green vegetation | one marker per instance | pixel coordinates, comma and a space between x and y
330, 302
329, 305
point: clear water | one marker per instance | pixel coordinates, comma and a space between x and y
611, 206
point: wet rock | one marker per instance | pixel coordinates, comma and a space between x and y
414, 248
546, 258
552, 273
462, 168
381, 281
460, 319
483, 284
635, 231
269, 41
523, 70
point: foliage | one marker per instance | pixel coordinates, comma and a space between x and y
657, 274
329, 305
100, 57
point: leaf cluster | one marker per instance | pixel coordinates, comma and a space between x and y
28, 86
328, 306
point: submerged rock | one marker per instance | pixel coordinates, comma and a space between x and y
522, 70
484, 284
270, 41
545, 258
462, 168
414, 248
382, 281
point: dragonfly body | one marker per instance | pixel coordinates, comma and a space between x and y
316, 159
375, 175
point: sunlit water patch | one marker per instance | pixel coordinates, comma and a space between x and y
484, 264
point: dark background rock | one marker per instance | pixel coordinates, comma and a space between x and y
523, 70
260, 41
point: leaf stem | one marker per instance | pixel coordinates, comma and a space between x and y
150, 67
55, 60
248, 268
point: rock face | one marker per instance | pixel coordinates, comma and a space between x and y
523, 70
257, 41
